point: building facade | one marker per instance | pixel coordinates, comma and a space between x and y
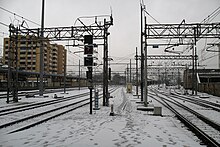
27, 53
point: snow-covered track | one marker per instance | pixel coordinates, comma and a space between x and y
205, 129
36, 92
192, 99
36, 119
195, 100
39, 104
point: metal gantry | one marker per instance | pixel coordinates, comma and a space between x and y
69, 33
169, 57
12, 82
181, 34
99, 31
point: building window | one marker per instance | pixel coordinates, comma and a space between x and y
23, 42
23, 48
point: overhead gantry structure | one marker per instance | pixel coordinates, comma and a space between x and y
180, 34
98, 29
173, 35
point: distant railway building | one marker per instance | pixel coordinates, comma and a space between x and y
208, 80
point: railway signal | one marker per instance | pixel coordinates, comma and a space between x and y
88, 61
88, 39
89, 75
88, 50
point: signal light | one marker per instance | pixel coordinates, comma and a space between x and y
88, 61
88, 49
88, 39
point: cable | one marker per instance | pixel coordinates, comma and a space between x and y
19, 16
98, 16
124, 58
211, 16
3, 24
207, 58
208, 19
152, 17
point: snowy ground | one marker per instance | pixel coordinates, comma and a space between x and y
129, 127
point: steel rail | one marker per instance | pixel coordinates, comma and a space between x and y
41, 104
198, 100
200, 134
53, 116
46, 92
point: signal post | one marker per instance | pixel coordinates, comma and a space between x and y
88, 61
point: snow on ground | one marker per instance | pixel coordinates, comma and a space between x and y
211, 114
49, 96
129, 127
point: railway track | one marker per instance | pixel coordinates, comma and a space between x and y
36, 92
196, 100
39, 104
204, 104
205, 129
32, 120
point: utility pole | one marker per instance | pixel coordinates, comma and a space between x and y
219, 56
142, 57
79, 75
130, 72
136, 73
15, 92
105, 65
178, 79
187, 80
125, 77
41, 85
196, 81
146, 75
64, 78
158, 78
12, 85
9, 79
193, 70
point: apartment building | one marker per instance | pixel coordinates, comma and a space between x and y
28, 55
62, 55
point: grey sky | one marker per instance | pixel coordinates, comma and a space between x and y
125, 32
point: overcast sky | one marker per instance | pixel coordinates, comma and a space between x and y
126, 30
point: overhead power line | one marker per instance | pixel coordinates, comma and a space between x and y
3, 24
152, 16
19, 16
213, 15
